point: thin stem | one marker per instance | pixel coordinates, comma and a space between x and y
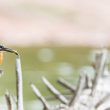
39, 95
67, 85
8, 100
19, 84
55, 91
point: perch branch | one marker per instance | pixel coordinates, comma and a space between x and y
19, 84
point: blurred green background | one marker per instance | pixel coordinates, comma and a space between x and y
51, 62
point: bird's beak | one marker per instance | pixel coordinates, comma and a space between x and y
2, 48
8, 50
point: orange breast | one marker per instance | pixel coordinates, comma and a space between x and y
1, 57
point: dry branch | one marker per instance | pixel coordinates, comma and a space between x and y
8, 100
19, 84
80, 87
100, 66
55, 91
39, 95
67, 85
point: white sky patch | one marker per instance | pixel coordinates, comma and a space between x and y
46, 55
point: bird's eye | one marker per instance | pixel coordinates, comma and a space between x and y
1, 57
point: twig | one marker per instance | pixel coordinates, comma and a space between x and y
19, 84
38, 94
14, 99
80, 87
55, 91
100, 66
67, 85
8, 100
101, 102
54, 98
89, 82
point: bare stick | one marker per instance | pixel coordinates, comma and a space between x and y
55, 91
101, 102
89, 82
80, 87
67, 85
14, 98
54, 98
19, 84
100, 66
8, 100
38, 94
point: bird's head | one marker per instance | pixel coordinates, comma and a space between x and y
3, 48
